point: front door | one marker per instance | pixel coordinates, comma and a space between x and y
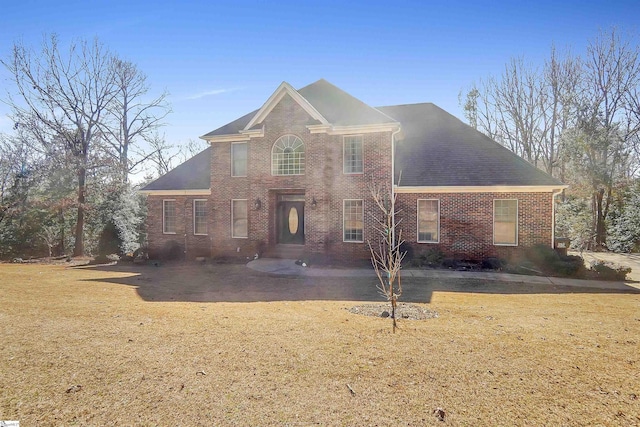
290, 221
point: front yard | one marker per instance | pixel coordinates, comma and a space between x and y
222, 345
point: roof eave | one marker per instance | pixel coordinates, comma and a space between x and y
480, 188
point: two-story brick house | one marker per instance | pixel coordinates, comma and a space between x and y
293, 178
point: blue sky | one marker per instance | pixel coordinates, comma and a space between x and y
220, 60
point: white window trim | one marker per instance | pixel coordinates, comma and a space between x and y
305, 156
344, 203
418, 221
194, 218
517, 223
344, 141
164, 228
232, 228
231, 157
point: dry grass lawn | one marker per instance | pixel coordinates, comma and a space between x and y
93, 346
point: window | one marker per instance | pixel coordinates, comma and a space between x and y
199, 217
505, 222
428, 221
169, 216
352, 154
287, 156
239, 159
353, 221
239, 224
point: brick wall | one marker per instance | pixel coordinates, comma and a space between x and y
466, 223
191, 245
466, 220
323, 181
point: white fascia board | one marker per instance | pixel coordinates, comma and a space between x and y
242, 136
354, 129
236, 137
319, 128
253, 133
480, 189
203, 192
282, 90
377, 127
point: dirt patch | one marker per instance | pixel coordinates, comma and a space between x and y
403, 311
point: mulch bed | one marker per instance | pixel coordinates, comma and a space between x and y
403, 311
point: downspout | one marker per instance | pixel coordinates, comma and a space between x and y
553, 216
393, 178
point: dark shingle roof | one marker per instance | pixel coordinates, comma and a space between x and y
194, 174
234, 127
340, 108
440, 150
437, 149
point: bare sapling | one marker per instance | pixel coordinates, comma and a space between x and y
387, 257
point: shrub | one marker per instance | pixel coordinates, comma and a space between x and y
407, 249
551, 262
110, 241
542, 255
172, 251
431, 257
570, 266
493, 263
610, 271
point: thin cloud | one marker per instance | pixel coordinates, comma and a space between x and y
211, 93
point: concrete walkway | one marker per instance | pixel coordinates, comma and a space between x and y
288, 267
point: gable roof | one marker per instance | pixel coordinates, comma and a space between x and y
194, 174
438, 149
325, 103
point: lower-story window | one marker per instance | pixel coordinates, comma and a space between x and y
239, 223
353, 221
199, 216
505, 222
169, 216
428, 221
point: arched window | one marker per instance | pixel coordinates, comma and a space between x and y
287, 156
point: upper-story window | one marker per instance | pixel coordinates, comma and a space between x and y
239, 159
352, 154
287, 156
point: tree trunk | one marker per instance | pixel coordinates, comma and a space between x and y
78, 249
601, 229
60, 248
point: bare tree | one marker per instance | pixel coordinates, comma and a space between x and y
61, 98
387, 256
162, 155
132, 118
561, 78
527, 108
611, 81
